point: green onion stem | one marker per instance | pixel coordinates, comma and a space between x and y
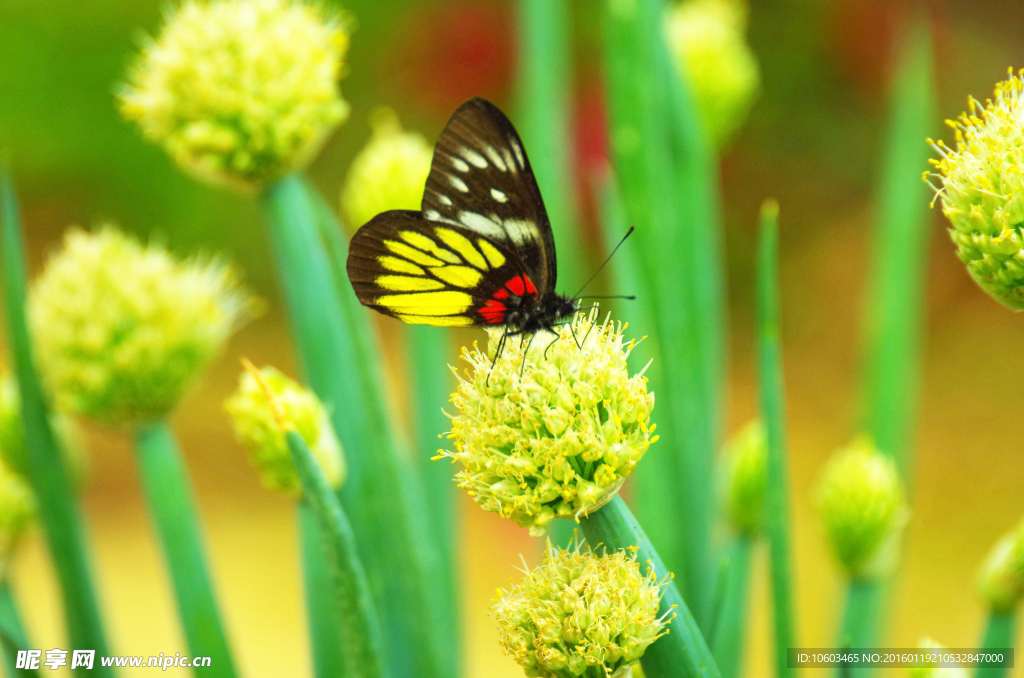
58, 510
668, 179
900, 250
341, 362
544, 117
1000, 632
171, 504
730, 622
773, 410
324, 630
360, 640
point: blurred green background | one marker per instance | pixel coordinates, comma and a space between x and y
813, 141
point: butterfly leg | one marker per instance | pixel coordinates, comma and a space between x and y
497, 354
557, 337
522, 368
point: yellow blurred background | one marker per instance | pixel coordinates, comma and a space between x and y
813, 141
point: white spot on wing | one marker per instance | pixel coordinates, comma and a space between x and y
444, 199
498, 195
473, 157
458, 183
519, 154
459, 164
481, 224
520, 231
509, 160
495, 158
432, 215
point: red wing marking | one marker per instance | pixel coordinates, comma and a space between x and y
494, 311
520, 285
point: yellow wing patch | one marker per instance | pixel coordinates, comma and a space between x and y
436, 321
407, 283
463, 246
428, 303
494, 257
399, 265
412, 254
424, 243
458, 276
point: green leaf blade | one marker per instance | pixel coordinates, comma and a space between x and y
773, 412
57, 507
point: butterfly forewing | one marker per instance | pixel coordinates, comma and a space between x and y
432, 273
480, 179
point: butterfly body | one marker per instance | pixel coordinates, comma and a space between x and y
480, 251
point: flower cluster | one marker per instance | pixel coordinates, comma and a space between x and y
122, 329
982, 191
864, 509
240, 92
553, 429
263, 435
1001, 579
707, 40
389, 173
746, 456
579, 610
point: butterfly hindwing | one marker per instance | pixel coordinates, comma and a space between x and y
480, 179
432, 273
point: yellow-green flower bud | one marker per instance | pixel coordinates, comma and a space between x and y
122, 329
240, 92
982, 191
262, 430
578, 610
746, 458
1001, 578
707, 40
17, 511
389, 173
12, 435
936, 671
863, 508
558, 441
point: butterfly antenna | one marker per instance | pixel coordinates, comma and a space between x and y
631, 297
616, 249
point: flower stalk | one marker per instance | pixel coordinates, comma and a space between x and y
324, 630
361, 641
57, 507
772, 398
171, 502
667, 172
1000, 632
727, 635
338, 358
900, 250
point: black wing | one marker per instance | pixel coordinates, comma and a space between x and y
480, 179
432, 273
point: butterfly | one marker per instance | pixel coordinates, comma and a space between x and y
480, 251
